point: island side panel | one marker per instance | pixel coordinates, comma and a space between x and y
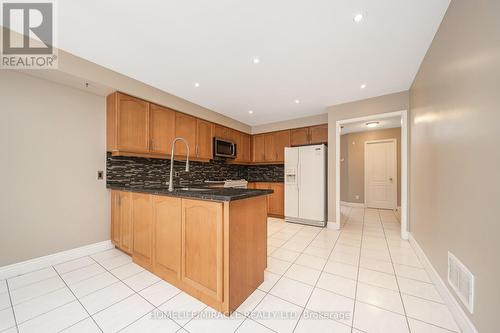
247, 247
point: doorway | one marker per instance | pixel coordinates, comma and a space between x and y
378, 190
381, 164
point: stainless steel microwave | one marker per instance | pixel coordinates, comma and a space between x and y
224, 148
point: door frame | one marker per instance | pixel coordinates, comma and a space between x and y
395, 141
404, 164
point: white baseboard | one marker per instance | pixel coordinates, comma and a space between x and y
333, 225
352, 204
463, 321
52, 259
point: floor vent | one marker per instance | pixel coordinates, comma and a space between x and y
462, 281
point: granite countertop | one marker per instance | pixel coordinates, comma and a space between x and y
208, 193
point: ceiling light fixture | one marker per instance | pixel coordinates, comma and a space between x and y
297, 101
250, 111
372, 124
256, 60
196, 84
363, 86
358, 18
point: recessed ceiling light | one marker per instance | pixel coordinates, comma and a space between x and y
297, 101
196, 84
358, 17
250, 111
256, 60
363, 86
372, 124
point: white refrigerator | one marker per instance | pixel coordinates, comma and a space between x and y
305, 185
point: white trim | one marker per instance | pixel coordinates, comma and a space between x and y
463, 321
332, 225
404, 163
352, 204
394, 202
53, 259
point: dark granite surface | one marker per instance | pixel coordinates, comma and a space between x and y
208, 193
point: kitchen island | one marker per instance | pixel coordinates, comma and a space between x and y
209, 242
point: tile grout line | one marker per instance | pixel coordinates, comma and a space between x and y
67, 286
315, 285
359, 265
12, 307
395, 276
133, 292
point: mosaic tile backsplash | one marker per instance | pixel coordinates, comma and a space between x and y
143, 172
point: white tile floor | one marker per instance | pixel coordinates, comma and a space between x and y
363, 278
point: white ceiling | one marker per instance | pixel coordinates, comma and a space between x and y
308, 50
360, 126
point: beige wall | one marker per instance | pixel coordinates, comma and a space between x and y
292, 123
73, 70
52, 140
387, 103
455, 150
352, 169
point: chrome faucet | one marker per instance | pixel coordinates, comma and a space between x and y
171, 178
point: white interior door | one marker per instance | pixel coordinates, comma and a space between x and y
381, 174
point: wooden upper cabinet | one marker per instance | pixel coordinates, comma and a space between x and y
162, 124
222, 132
167, 236
269, 148
204, 130
299, 136
202, 247
318, 134
244, 148
185, 127
281, 140
142, 219
259, 148
309, 135
127, 124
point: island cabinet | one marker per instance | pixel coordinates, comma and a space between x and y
216, 251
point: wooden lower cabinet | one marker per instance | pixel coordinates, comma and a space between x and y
142, 220
121, 220
167, 237
202, 246
193, 244
276, 200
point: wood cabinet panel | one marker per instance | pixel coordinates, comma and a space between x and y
185, 127
299, 136
167, 216
318, 134
125, 216
245, 148
202, 245
269, 147
259, 148
276, 203
133, 124
281, 140
115, 219
204, 135
222, 132
142, 217
162, 122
